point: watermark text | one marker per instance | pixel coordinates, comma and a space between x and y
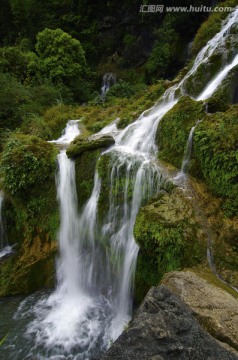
191, 8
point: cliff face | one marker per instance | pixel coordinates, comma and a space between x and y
165, 328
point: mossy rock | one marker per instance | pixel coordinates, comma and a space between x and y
85, 166
226, 94
31, 213
86, 162
205, 72
174, 128
104, 170
169, 237
30, 268
216, 104
79, 145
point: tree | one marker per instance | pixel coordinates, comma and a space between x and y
61, 60
18, 63
61, 57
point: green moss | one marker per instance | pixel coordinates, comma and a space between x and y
28, 270
85, 166
174, 128
206, 71
56, 118
145, 277
211, 26
79, 145
103, 167
31, 211
167, 231
226, 93
216, 104
207, 275
27, 162
216, 151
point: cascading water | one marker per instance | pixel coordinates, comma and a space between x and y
108, 80
211, 88
188, 151
186, 159
5, 249
93, 299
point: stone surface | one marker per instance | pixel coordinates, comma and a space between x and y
164, 328
215, 309
80, 145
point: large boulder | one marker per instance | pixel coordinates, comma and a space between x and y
215, 309
164, 328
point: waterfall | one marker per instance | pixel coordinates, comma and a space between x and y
188, 151
211, 88
1, 222
5, 248
181, 176
95, 270
108, 80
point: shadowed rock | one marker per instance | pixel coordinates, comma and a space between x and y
164, 328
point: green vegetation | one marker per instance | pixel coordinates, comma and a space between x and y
168, 234
121, 90
27, 162
216, 152
52, 58
61, 60
174, 128
28, 165
211, 26
79, 145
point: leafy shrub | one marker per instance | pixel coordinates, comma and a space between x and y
164, 52
61, 59
18, 63
36, 125
121, 89
27, 162
13, 96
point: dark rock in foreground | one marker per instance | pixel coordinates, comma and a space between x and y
164, 328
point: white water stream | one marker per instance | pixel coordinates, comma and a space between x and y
108, 80
95, 270
5, 248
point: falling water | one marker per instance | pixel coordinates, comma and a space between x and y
213, 85
74, 321
1, 222
95, 270
108, 80
5, 249
181, 176
188, 150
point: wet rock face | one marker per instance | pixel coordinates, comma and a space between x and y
164, 328
215, 309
